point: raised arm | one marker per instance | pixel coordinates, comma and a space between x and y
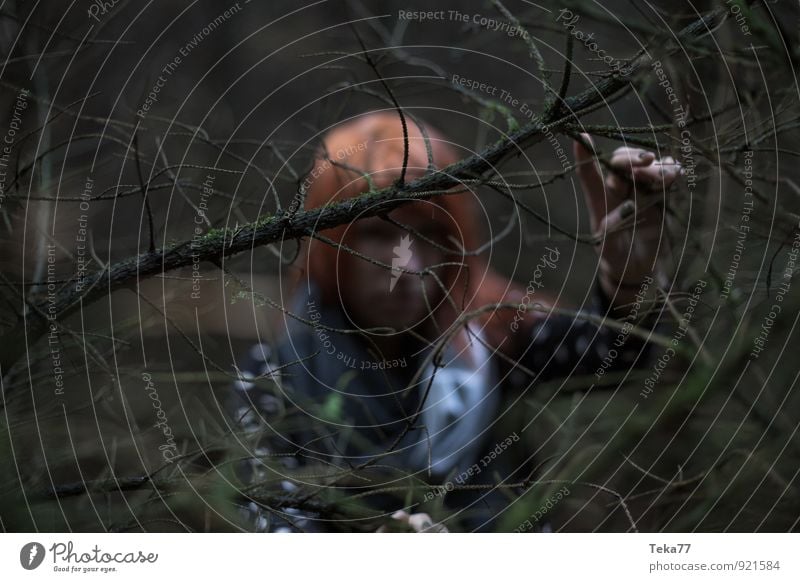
625, 213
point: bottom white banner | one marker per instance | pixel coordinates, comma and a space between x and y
347, 557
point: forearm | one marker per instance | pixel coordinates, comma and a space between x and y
565, 346
622, 289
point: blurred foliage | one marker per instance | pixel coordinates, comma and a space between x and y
713, 448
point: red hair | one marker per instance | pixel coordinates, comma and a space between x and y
373, 144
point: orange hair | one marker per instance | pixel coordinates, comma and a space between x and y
373, 144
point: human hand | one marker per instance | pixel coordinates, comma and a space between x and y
622, 217
418, 522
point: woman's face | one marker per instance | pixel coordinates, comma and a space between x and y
375, 296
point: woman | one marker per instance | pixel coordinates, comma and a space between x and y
391, 362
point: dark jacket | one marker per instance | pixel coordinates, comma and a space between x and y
452, 425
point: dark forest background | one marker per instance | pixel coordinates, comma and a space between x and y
714, 448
